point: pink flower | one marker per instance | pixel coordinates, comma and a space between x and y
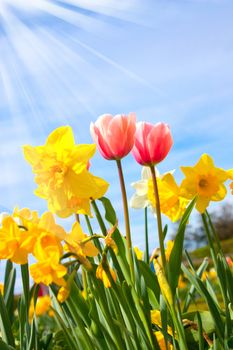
152, 143
114, 136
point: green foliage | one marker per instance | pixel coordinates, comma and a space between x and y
119, 317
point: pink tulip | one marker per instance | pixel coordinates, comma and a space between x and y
152, 143
114, 136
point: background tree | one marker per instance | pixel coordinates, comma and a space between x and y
222, 219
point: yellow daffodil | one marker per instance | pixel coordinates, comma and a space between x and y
230, 172
78, 243
62, 175
163, 283
181, 283
47, 245
43, 305
172, 203
37, 227
161, 342
212, 274
1, 288
11, 240
25, 215
101, 274
139, 253
109, 240
169, 247
204, 276
63, 293
204, 181
231, 187
168, 250
156, 320
48, 271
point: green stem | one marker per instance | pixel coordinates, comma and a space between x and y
146, 237
99, 218
96, 241
84, 278
159, 219
210, 240
126, 217
214, 257
179, 328
215, 234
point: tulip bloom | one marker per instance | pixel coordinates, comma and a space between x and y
152, 143
114, 136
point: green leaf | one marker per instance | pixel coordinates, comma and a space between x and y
200, 287
191, 291
200, 332
177, 251
4, 346
110, 214
150, 278
69, 342
9, 285
5, 324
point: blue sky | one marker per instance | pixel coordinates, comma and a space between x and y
67, 62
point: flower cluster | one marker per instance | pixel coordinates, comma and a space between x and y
117, 281
203, 181
24, 233
62, 174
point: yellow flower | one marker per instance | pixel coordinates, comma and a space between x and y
231, 187
76, 242
204, 276
172, 204
26, 215
63, 293
212, 274
139, 253
156, 320
230, 172
205, 182
48, 271
62, 175
163, 283
46, 246
161, 341
181, 283
169, 247
84, 294
11, 240
43, 305
36, 228
101, 274
109, 241
1, 288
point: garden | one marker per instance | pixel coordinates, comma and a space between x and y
93, 289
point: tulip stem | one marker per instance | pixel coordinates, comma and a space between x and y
126, 217
146, 237
158, 213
